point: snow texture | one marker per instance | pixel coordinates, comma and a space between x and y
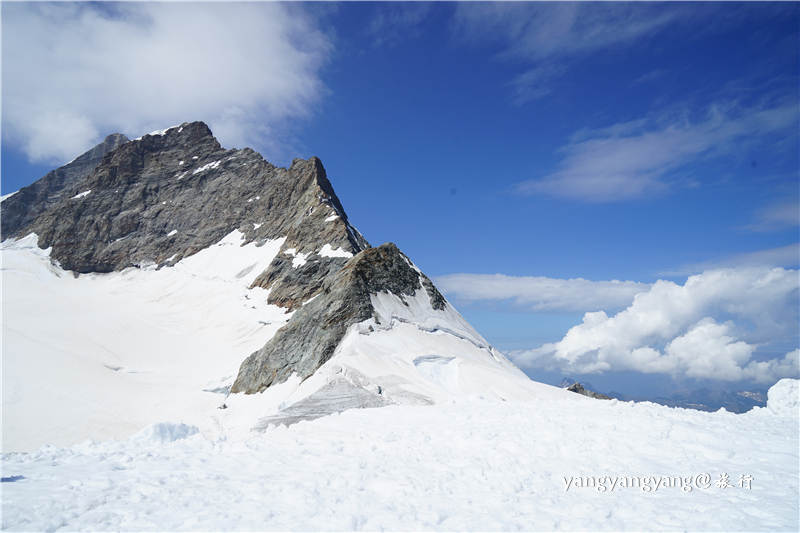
104, 355
112, 383
9, 195
329, 251
83, 194
207, 166
473, 464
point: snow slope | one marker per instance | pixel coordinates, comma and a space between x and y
103, 355
469, 464
143, 356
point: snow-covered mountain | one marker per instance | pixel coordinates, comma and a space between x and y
171, 271
195, 339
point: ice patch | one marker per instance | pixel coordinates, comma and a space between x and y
331, 218
83, 194
208, 166
257, 225
171, 233
329, 251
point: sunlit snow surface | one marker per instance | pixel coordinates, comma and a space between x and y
104, 355
144, 356
467, 465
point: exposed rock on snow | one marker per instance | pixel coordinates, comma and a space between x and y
314, 332
580, 389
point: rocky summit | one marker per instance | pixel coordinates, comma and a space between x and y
155, 200
167, 195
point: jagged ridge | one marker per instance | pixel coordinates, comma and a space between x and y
165, 196
311, 337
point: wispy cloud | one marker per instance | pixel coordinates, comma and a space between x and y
393, 23
777, 216
536, 83
710, 327
632, 159
538, 293
783, 256
547, 36
539, 31
76, 72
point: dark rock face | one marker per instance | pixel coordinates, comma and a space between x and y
163, 197
21, 209
312, 335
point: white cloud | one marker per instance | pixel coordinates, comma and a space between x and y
781, 256
396, 22
629, 160
548, 35
676, 329
75, 72
538, 31
541, 293
778, 215
535, 83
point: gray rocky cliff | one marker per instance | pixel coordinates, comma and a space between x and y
312, 335
29, 202
160, 198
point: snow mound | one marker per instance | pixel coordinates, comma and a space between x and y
164, 432
783, 398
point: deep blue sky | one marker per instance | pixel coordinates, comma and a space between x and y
430, 117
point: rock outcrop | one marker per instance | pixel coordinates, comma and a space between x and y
312, 335
580, 389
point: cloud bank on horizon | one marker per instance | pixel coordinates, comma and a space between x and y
710, 327
248, 70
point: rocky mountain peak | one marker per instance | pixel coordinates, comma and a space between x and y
167, 195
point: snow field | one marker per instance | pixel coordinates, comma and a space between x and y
470, 464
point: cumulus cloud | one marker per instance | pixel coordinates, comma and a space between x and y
710, 327
541, 293
73, 73
629, 160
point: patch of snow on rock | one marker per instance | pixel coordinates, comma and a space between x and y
83, 194
207, 166
7, 196
329, 251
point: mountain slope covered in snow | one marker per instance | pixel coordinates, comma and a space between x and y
204, 272
194, 338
